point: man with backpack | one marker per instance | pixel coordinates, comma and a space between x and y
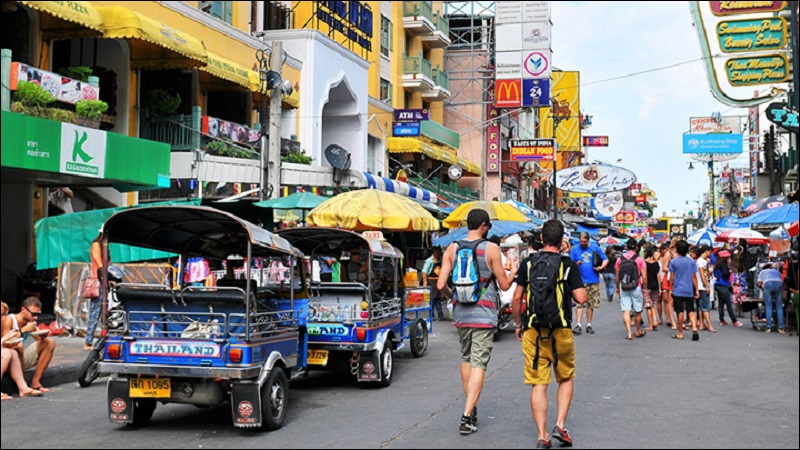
631, 276
547, 283
474, 267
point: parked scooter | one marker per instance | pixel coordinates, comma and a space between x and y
116, 321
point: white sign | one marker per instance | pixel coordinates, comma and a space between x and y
536, 36
83, 151
706, 125
535, 11
536, 64
176, 349
508, 65
508, 12
609, 204
507, 37
594, 179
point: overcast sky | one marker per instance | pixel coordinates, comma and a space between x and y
645, 115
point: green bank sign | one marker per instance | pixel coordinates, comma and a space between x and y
44, 145
752, 35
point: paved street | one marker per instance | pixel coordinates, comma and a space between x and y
734, 389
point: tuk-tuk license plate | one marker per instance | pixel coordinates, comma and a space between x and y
318, 357
150, 388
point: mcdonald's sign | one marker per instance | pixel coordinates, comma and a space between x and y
508, 93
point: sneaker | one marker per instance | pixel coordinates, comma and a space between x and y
577, 330
466, 426
738, 324
780, 331
562, 435
769, 330
723, 322
589, 330
474, 416
543, 444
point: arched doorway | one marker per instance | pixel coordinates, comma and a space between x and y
342, 124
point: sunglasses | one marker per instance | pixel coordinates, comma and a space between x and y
34, 314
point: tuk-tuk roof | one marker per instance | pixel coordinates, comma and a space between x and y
193, 231
309, 241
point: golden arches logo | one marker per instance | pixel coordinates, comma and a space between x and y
509, 92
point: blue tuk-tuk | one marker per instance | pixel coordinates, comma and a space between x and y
356, 323
240, 340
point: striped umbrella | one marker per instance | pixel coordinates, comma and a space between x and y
704, 236
752, 237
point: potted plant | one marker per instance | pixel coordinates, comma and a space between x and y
161, 103
297, 157
32, 99
88, 112
80, 73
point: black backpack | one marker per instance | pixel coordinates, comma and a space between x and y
629, 273
549, 302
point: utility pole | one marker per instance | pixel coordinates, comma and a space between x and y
276, 65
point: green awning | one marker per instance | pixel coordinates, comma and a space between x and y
67, 238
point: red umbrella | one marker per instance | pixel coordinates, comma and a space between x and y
793, 229
752, 237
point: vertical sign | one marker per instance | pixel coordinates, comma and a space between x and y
754, 129
492, 142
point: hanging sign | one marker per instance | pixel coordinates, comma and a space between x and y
594, 179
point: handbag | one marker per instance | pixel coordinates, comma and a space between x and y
90, 288
597, 260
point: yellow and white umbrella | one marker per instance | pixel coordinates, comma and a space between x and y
496, 210
370, 209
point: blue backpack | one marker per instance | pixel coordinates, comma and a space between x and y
466, 274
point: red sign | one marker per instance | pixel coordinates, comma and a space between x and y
742, 7
493, 143
626, 217
508, 93
636, 187
595, 141
533, 150
641, 199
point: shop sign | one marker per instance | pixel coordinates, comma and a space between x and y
608, 204
781, 115
641, 199
508, 93
536, 35
411, 115
493, 143
626, 217
533, 150
536, 64
752, 35
719, 125
751, 71
594, 179
352, 19
63, 89
536, 92
83, 151
406, 129
712, 143
745, 7
595, 141
508, 65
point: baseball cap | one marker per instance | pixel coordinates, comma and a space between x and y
724, 254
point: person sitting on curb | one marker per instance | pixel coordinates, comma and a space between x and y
39, 355
11, 361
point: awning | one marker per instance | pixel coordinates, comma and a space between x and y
439, 153
65, 16
158, 45
228, 70
289, 101
367, 180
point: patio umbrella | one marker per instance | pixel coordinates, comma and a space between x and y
500, 228
776, 201
299, 200
611, 240
780, 215
730, 223
497, 211
703, 236
369, 209
752, 237
525, 209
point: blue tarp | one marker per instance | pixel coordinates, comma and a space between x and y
776, 216
499, 228
730, 223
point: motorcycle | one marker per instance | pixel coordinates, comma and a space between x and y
116, 321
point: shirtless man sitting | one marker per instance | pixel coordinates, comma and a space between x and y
38, 355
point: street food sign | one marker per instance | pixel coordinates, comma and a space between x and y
752, 35
594, 179
533, 150
744, 7
493, 142
750, 71
781, 115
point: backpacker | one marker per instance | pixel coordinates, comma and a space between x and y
466, 274
549, 303
629, 273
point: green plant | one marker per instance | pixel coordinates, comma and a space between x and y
80, 73
222, 148
60, 115
161, 103
33, 95
297, 157
91, 109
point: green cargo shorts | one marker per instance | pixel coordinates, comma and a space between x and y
476, 346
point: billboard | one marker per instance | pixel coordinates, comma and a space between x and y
594, 179
712, 143
508, 93
708, 125
565, 95
533, 150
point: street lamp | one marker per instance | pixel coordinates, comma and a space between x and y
691, 166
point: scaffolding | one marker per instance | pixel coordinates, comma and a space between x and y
469, 60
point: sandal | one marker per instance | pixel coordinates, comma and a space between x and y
31, 393
41, 389
711, 330
641, 334
675, 336
6, 396
695, 336
628, 338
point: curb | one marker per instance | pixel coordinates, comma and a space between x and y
54, 376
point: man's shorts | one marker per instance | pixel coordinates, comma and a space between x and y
704, 302
565, 346
683, 304
631, 300
30, 358
593, 297
476, 346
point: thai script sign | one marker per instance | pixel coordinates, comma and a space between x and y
533, 150
766, 69
594, 179
729, 8
751, 35
712, 143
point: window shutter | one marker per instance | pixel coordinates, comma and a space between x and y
228, 16
216, 9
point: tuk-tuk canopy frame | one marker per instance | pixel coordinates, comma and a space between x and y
315, 241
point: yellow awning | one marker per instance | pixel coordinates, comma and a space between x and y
289, 101
439, 153
230, 71
159, 46
81, 13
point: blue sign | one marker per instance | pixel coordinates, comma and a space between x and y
536, 93
712, 143
406, 129
411, 115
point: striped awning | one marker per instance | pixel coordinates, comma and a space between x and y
433, 151
398, 187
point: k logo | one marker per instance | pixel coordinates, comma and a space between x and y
77, 148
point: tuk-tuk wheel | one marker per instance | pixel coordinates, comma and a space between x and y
387, 365
419, 338
143, 410
274, 400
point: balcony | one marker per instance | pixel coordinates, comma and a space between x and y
418, 18
441, 83
440, 37
177, 131
417, 74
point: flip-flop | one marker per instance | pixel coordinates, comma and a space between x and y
655, 328
6, 397
628, 338
40, 389
712, 331
32, 393
642, 334
675, 336
695, 336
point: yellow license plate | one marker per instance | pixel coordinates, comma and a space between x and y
318, 357
150, 388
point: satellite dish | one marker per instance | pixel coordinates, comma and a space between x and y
338, 157
455, 172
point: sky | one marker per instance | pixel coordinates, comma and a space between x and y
645, 115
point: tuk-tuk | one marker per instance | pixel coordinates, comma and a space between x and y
357, 323
239, 341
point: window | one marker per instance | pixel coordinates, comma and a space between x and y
386, 36
386, 91
221, 10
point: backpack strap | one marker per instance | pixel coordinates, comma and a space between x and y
474, 246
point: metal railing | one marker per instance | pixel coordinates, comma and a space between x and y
442, 24
440, 78
266, 324
423, 9
175, 130
173, 325
417, 65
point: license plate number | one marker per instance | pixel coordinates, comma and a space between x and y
150, 388
318, 357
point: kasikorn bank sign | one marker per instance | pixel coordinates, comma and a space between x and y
712, 143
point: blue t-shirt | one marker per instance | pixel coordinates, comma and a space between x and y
323, 264
770, 275
683, 270
588, 274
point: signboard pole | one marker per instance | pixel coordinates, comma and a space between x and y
276, 65
556, 120
795, 56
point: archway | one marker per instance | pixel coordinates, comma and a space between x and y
341, 123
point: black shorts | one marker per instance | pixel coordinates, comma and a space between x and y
683, 304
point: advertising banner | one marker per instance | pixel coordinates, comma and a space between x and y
594, 179
708, 125
712, 143
752, 35
508, 93
751, 71
63, 89
565, 87
533, 150
595, 141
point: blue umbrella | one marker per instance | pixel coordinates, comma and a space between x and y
703, 236
730, 223
499, 228
784, 214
